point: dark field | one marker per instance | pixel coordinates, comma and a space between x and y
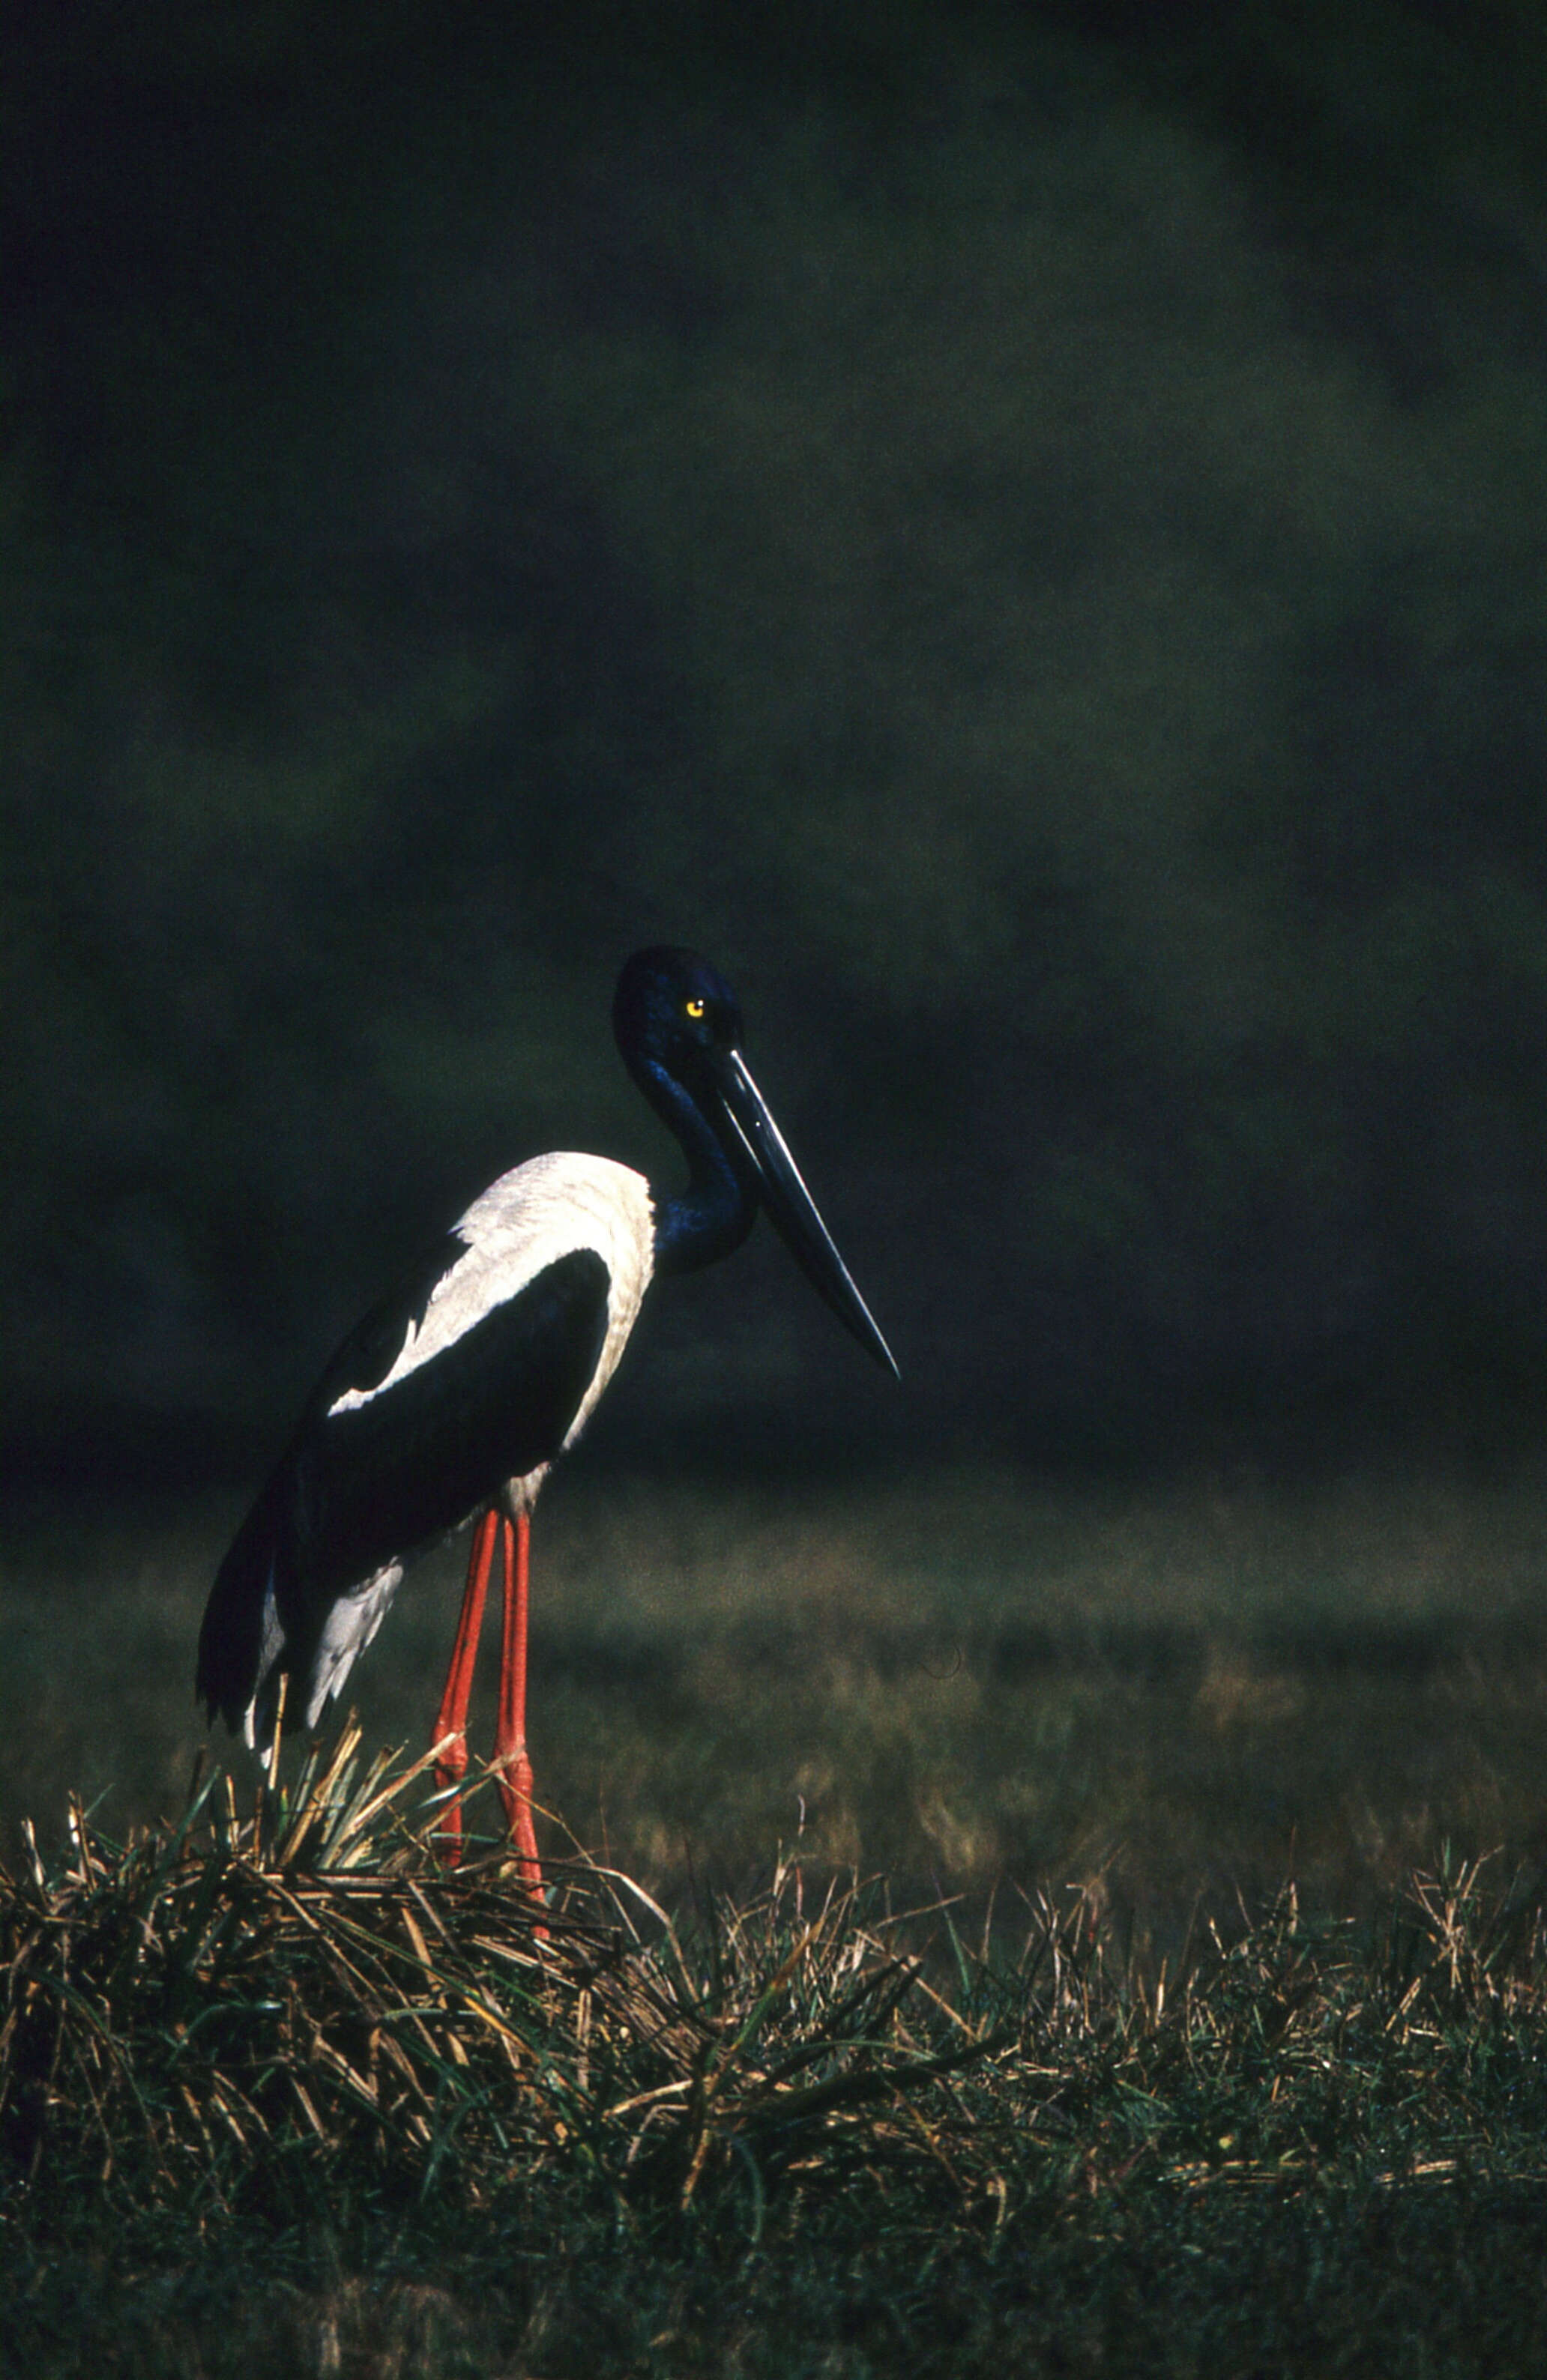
1214, 1686
1223, 2058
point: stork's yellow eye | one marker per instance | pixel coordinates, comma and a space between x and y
693, 1008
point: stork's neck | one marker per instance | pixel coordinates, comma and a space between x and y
715, 1213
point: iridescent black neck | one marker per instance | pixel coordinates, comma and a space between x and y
715, 1213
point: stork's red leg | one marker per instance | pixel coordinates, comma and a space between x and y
452, 1766
510, 1739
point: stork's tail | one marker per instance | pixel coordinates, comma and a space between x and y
241, 1638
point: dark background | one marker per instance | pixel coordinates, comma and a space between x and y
1019, 532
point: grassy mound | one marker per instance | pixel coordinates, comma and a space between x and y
279, 2092
211, 2015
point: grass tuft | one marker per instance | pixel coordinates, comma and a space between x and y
217, 2011
336, 2107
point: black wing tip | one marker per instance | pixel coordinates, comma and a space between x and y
230, 1635
221, 1698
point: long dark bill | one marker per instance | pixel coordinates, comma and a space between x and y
792, 1210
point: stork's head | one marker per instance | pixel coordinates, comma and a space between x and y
679, 1028
673, 1010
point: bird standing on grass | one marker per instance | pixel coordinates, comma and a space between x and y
455, 1395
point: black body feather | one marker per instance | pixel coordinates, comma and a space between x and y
359, 1490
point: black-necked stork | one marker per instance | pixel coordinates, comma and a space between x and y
455, 1395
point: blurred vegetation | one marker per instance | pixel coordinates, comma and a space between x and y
1019, 531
